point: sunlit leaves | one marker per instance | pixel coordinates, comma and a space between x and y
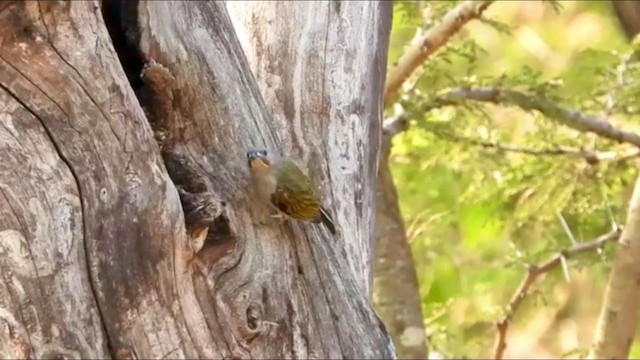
477, 214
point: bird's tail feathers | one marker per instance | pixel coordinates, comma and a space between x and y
327, 220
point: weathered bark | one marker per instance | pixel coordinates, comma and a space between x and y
286, 291
294, 49
89, 218
95, 256
263, 32
619, 315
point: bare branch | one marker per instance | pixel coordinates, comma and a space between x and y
566, 116
537, 270
395, 125
429, 43
590, 156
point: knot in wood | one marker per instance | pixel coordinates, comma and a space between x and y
254, 316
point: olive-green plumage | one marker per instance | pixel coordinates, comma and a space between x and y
285, 186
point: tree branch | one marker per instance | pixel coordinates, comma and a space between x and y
590, 156
566, 116
534, 272
427, 44
400, 123
395, 125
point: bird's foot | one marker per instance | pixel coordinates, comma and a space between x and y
282, 218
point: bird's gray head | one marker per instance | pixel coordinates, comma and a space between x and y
258, 159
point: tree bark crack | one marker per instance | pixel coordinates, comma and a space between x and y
82, 209
67, 117
78, 76
324, 109
326, 295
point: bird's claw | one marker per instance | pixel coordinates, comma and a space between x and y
280, 217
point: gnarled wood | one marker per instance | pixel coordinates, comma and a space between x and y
95, 257
284, 291
321, 76
275, 50
89, 218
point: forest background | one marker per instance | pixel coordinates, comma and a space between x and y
487, 187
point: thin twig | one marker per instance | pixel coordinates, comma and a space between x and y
534, 272
566, 116
590, 156
612, 95
429, 43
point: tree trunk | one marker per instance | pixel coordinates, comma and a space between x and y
325, 100
298, 87
628, 14
619, 315
397, 302
96, 258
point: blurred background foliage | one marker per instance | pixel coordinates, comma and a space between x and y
476, 215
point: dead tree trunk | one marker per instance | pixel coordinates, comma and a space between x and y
95, 256
319, 112
292, 67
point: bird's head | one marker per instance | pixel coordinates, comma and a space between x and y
258, 161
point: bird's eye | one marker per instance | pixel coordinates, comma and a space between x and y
263, 152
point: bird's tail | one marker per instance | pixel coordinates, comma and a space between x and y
327, 220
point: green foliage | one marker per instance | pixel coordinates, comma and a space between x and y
476, 214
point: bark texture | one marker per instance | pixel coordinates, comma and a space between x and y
619, 316
321, 78
96, 259
83, 193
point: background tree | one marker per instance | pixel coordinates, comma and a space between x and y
483, 182
98, 259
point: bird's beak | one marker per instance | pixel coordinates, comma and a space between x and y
251, 157
255, 159
258, 163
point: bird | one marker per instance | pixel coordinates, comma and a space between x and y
280, 183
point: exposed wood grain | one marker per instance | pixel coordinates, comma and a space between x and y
300, 86
90, 213
284, 291
321, 75
41, 246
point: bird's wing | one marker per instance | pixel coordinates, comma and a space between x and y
281, 200
294, 193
